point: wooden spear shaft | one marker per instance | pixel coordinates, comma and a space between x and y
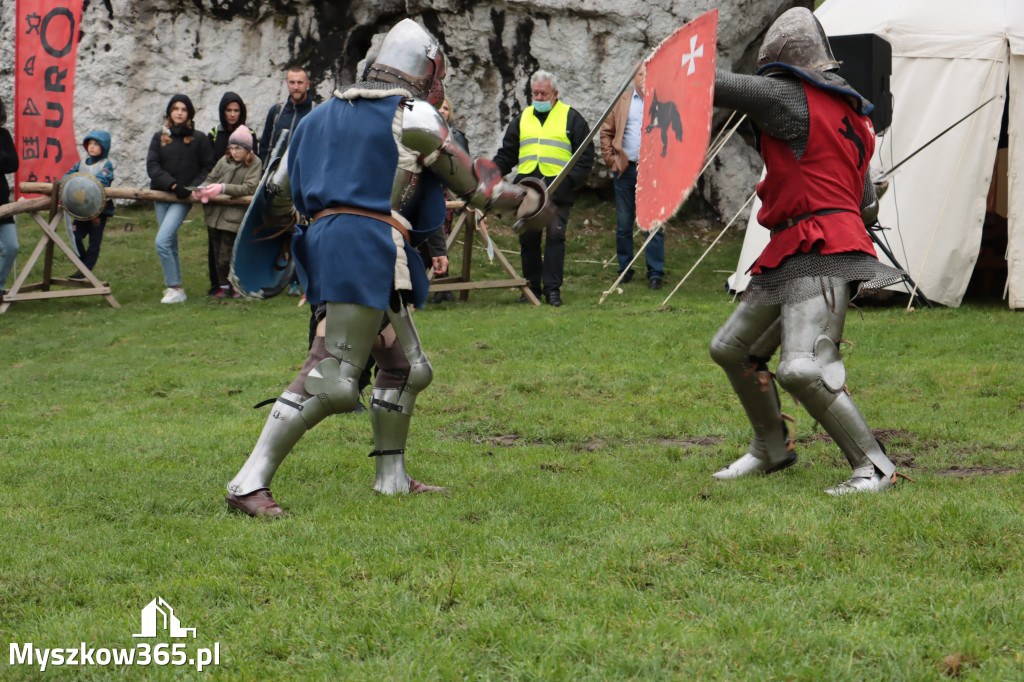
139, 194
24, 206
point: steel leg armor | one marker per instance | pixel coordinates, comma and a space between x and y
742, 348
811, 368
334, 387
285, 426
391, 407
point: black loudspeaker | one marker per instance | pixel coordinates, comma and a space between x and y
866, 65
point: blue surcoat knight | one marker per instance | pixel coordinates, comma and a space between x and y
346, 258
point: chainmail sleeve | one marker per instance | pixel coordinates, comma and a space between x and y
870, 196
777, 105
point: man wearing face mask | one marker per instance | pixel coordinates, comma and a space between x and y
541, 141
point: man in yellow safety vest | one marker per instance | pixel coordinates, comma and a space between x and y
541, 141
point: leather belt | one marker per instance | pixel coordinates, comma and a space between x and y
804, 216
352, 210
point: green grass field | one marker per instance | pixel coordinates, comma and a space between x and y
584, 537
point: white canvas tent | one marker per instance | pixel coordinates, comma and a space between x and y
948, 56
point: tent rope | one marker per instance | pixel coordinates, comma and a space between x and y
713, 150
708, 250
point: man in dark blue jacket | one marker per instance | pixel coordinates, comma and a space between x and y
286, 115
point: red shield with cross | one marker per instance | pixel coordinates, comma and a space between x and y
678, 92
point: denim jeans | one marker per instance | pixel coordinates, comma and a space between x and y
170, 217
93, 229
625, 212
8, 251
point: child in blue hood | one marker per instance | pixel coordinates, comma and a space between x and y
97, 146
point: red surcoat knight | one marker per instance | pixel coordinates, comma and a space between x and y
830, 175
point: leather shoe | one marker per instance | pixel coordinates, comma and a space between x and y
257, 503
654, 284
554, 298
417, 487
523, 299
628, 276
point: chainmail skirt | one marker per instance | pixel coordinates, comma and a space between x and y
805, 275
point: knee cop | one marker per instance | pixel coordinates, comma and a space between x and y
814, 377
349, 335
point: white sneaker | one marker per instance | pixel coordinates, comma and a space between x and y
174, 295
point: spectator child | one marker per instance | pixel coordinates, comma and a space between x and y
237, 174
232, 114
97, 146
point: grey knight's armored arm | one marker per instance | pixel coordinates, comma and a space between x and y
477, 182
778, 106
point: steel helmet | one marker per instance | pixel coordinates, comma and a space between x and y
797, 39
412, 58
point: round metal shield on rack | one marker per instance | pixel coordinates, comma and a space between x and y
82, 196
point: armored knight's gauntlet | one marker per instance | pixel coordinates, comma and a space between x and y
477, 182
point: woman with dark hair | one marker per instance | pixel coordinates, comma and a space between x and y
8, 229
179, 157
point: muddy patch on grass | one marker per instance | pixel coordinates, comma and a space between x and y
966, 472
504, 440
514, 440
701, 441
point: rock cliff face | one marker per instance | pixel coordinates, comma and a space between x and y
134, 54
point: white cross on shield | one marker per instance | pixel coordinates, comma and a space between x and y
691, 58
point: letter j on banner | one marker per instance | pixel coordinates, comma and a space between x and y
45, 48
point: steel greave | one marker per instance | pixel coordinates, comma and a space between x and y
390, 433
391, 408
754, 332
284, 427
811, 368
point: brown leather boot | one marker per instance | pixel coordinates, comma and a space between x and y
257, 503
417, 487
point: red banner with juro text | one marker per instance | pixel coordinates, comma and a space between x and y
45, 47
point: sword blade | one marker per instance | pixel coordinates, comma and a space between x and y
920, 149
593, 131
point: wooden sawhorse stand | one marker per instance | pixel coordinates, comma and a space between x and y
91, 286
40, 290
463, 282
